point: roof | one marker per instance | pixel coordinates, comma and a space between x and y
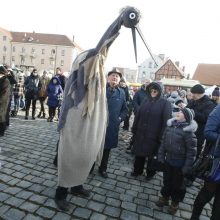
6, 32
169, 61
207, 74
39, 38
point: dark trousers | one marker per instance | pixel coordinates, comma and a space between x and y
42, 109
28, 104
173, 183
104, 162
2, 128
139, 166
61, 192
205, 195
52, 111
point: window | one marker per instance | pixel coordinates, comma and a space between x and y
43, 51
32, 50
23, 50
13, 58
42, 61
53, 51
61, 62
4, 38
4, 48
13, 48
150, 65
62, 52
22, 60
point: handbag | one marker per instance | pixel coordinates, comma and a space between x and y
207, 166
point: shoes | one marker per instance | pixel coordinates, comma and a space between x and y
26, 118
135, 174
173, 208
33, 118
43, 116
103, 174
80, 192
62, 204
149, 176
163, 201
188, 182
39, 115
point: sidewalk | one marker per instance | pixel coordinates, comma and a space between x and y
28, 181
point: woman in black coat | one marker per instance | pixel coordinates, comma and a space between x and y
148, 128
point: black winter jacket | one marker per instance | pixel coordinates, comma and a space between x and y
179, 143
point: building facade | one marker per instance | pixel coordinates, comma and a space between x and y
147, 69
37, 50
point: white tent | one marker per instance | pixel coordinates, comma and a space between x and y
209, 90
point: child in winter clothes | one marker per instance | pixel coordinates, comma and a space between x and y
177, 151
54, 90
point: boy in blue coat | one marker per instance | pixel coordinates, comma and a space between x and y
177, 151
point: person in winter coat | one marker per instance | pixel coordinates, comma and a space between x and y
210, 189
139, 96
117, 112
18, 92
148, 128
54, 90
215, 95
202, 105
31, 85
44, 81
177, 152
5, 92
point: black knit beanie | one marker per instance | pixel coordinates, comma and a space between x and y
198, 89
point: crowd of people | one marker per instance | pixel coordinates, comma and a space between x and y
168, 132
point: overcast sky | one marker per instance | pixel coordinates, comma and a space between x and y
184, 30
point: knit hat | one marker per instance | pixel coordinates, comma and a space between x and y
198, 89
216, 92
174, 94
115, 70
188, 114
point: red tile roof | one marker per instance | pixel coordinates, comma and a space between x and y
207, 74
38, 38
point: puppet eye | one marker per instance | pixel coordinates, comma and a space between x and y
132, 15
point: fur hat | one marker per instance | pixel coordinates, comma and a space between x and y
188, 114
115, 70
174, 94
215, 92
198, 89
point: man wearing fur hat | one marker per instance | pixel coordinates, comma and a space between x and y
5, 91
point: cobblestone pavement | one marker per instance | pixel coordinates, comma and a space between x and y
28, 181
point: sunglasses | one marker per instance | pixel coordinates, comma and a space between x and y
154, 91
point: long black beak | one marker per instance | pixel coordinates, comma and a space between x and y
143, 39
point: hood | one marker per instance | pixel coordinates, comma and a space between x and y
58, 80
192, 127
155, 85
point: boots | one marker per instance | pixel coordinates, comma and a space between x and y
39, 115
33, 115
43, 116
26, 114
173, 208
60, 198
163, 201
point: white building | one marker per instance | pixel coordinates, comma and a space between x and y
147, 69
36, 50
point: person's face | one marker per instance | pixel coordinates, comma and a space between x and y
114, 79
196, 96
215, 98
180, 116
58, 71
189, 96
35, 73
54, 81
154, 93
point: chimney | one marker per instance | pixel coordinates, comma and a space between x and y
183, 69
162, 56
177, 63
